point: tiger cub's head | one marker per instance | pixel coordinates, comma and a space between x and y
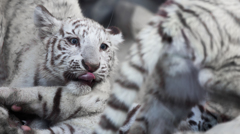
78, 50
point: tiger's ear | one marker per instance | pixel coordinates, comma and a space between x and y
45, 21
115, 34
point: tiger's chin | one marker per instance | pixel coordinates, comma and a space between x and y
80, 84
78, 87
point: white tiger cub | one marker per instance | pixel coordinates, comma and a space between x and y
58, 66
189, 49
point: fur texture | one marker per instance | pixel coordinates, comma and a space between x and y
189, 49
58, 65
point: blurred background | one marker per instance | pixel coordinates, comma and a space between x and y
129, 15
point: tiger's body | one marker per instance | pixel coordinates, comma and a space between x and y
56, 65
188, 52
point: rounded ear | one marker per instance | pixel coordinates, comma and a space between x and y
115, 34
45, 21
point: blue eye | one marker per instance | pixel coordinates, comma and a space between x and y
73, 41
103, 46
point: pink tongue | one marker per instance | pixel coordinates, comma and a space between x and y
87, 76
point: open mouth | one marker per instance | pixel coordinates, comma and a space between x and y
87, 79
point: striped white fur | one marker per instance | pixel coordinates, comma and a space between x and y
190, 48
58, 65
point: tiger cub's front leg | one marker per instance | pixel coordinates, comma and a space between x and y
49, 102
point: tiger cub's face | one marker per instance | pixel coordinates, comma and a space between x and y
78, 50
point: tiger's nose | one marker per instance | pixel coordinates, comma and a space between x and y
91, 67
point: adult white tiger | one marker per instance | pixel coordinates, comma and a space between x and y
190, 48
58, 65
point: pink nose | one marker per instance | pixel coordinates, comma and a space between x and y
90, 67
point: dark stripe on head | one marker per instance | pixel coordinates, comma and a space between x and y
127, 84
61, 31
115, 103
51, 72
48, 46
63, 59
73, 31
58, 56
105, 123
71, 129
52, 56
131, 114
77, 26
56, 105
76, 22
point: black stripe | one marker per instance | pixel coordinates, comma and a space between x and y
76, 22
52, 52
71, 129
131, 114
139, 48
56, 105
182, 20
36, 77
51, 131
188, 44
48, 47
44, 105
197, 16
105, 123
61, 31
117, 104
39, 97
138, 68
127, 84
62, 130
216, 22
73, 114
204, 51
